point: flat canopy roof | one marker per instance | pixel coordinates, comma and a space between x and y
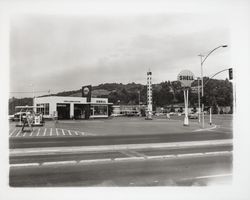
29, 107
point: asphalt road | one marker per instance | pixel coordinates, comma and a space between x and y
23, 142
181, 171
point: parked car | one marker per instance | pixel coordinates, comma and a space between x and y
159, 114
11, 117
17, 116
193, 115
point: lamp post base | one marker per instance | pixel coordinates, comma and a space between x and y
186, 121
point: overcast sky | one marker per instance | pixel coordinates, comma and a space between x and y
64, 52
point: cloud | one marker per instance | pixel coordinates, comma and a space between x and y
63, 52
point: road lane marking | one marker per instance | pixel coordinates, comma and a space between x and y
31, 133
189, 154
24, 165
50, 131
161, 157
13, 132
76, 132
213, 176
82, 133
95, 160
56, 132
207, 177
18, 133
69, 132
60, 162
24, 134
44, 131
218, 152
128, 158
38, 132
62, 131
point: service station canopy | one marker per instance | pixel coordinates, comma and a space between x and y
186, 77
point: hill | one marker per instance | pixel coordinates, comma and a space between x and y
216, 92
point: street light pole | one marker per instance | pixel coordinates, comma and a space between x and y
199, 100
202, 92
139, 102
202, 87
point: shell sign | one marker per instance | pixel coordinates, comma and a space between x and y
186, 77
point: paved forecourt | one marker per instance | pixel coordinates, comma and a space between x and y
120, 127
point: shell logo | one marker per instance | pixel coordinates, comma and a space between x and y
186, 77
85, 90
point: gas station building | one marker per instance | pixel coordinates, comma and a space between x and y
66, 107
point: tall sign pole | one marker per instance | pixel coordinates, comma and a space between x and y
149, 95
86, 92
186, 77
186, 122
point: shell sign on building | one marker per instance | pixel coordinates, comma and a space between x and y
186, 77
86, 92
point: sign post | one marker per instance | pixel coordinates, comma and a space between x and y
186, 123
86, 92
186, 77
210, 116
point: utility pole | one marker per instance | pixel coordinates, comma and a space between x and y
202, 87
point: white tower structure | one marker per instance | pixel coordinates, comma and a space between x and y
149, 95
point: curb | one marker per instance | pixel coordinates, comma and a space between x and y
206, 129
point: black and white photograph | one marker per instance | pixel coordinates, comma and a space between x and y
125, 95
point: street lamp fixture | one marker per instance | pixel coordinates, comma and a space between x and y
202, 86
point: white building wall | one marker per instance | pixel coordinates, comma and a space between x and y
52, 108
53, 100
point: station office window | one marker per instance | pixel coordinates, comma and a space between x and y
100, 110
44, 110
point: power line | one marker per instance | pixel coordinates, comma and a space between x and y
33, 92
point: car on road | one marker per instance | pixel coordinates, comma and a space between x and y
11, 117
159, 114
17, 115
193, 115
172, 113
181, 113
